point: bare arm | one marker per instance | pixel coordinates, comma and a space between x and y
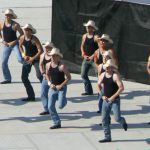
21, 45
41, 64
117, 79
96, 58
17, 28
82, 45
114, 56
100, 80
148, 65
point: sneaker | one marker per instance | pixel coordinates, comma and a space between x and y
5, 82
55, 126
86, 93
104, 140
28, 99
44, 113
125, 126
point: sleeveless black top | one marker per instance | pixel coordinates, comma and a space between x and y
57, 77
8, 33
100, 58
90, 46
110, 87
45, 61
30, 48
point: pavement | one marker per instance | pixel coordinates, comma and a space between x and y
21, 126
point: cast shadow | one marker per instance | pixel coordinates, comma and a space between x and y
145, 109
132, 94
83, 99
16, 102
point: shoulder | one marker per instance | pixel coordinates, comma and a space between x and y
96, 37
1, 24
116, 76
149, 58
84, 36
16, 24
22, 38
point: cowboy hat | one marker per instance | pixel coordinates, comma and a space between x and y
10, 12
29, 26
56, 51
90, 23
109, 63
106, 37
48, 44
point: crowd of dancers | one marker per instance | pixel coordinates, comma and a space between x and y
97, 52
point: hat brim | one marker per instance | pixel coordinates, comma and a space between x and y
109, 40
33, 30
58, 54
14, 16
87, 25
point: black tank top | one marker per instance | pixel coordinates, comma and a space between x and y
30, 47
8, 33
90, 46
110, 87
102, 70
100, 58
57, 77
45, 61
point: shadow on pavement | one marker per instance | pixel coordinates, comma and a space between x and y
132, 94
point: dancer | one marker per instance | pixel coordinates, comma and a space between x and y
44, 59
55, 73
113, 86
88, 47
9, 40
31, 49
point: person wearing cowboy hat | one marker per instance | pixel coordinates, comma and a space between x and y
88, 47
9, 41
112, 88
104, 44
31, 49
44, 59
58, 76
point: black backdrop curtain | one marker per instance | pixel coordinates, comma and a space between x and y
127, 23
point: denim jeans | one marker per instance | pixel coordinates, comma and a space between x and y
26, 69
5, 56
100, 100
86, 66
53, 96
106, 109
44, 94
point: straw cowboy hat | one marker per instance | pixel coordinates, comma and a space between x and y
10, 12
90, 23
106, 37
56, 51
109, 63
48, 44
29, 26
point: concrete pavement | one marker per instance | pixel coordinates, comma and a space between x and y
21, 127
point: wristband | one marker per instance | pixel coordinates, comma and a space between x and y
49, 83
23, 54
1, 40
43, 73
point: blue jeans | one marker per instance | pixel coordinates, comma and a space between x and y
106, 109
100, 100
26, 69
5, 56
53, 96
86, 66
44, 94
